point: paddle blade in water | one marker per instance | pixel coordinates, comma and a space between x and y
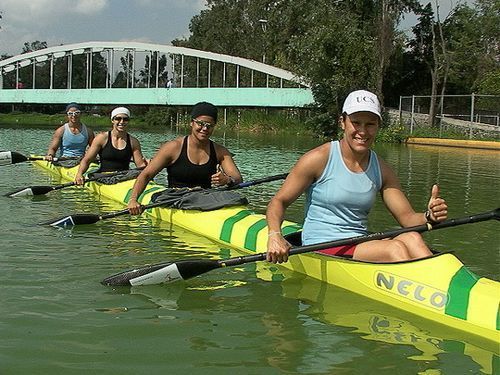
24, 192
162, 273
123, 278
77, 219
29, 191
11, 157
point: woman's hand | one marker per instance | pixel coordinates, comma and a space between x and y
437, 209
134, 207
79, 179
277, 248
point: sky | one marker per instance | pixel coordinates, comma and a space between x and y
73, 21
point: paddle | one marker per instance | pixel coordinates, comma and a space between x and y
40, 190
12, 157
186, 269
78, 219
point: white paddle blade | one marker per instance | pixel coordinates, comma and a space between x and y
5, 158
166, 274
22, 193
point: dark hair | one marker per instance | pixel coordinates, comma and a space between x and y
204, 109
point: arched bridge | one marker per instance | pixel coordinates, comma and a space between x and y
143, 73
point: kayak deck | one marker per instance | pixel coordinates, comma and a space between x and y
439, 288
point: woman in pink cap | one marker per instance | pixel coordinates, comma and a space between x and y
116, 148
341, 180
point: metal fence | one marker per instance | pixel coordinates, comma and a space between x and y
468, 113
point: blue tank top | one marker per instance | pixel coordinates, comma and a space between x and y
338, 203
74, 144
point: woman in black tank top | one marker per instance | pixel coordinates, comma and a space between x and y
115, 148
183, 172
191, 161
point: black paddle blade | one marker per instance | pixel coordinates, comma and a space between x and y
162, 273
497, 213
11, 157
77, 219
29, 191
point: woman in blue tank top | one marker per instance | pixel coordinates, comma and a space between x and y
72, 138
341, 180
116, 148
191, 161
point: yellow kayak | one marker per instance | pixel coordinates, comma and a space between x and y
439, 288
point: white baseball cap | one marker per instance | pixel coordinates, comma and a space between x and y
362, 101
119, 110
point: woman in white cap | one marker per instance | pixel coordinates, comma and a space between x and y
73, 137
341, 180
191, 161
116, 148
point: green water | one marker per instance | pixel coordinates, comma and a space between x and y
56, 318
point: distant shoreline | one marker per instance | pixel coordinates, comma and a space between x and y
487, 145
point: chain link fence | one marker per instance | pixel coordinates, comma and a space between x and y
473, 115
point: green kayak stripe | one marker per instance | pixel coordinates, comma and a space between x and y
459, 292
252, 233
498, 318
227, 227
141, 197
290, 229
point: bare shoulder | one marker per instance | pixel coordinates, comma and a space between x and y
221, 150
101, 138
171, 149
317, 155
313, 162
60, 130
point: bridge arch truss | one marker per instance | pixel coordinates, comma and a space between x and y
111, 73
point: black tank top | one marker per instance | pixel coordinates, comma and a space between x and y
183, 173
113, 159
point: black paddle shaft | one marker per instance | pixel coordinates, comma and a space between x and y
186, 269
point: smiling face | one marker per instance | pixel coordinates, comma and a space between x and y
360, 129
202, 127
120, 121
73, 114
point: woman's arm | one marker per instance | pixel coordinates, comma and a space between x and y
98, 143
399, 205
137, 155
307, 170
54, 143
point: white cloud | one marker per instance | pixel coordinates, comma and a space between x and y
19, 11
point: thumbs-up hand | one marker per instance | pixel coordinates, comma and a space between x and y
437, 209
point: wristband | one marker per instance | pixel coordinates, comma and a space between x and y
428, 217
272, 233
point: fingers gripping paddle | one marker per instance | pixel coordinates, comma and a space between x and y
40, 190
78, 219
12, 157
186, 269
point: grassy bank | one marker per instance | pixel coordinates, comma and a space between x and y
286, 122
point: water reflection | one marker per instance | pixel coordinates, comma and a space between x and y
316, 329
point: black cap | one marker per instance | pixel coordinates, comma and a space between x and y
204, 109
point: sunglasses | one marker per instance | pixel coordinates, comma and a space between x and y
204, 124
76, 113
118, 119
